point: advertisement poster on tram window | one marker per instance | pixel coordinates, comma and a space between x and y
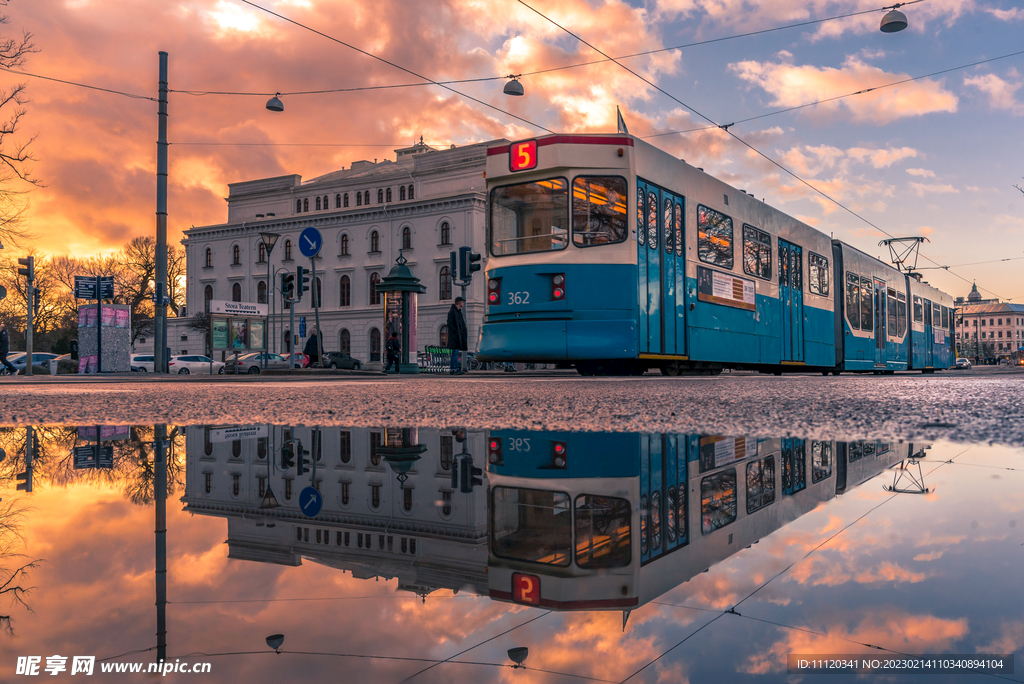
717, 451
121, 318
108, 317
219, 336
256, 333
239, 333
940, 336
725, 289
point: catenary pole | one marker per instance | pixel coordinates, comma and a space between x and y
160, 313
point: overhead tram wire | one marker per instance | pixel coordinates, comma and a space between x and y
80, 85
725, 127
396, 66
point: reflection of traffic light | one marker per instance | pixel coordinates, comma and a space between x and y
301, 462
30, 268
288, 285
287, 455
25, 479
455, 473
471, 476
301, 281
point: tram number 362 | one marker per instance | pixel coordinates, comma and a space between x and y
519, 444
518, 297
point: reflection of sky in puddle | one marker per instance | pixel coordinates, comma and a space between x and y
926, 573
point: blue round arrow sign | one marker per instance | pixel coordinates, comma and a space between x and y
310, 501
310, 242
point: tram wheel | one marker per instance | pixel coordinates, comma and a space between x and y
776, 373
835, 372
825, 373
672, 369
586, 368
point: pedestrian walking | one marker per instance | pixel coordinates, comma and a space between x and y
394, 350
458, 338
312, 348
5, 347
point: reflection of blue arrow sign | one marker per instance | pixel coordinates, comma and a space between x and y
310, 502
310, 242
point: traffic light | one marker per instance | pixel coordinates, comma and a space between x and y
287, 455
288, 285
453, 264
471, 476
30, 267
468, 263
301, 281
301, 462
36, 297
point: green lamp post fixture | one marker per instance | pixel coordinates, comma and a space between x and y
400, 288
401, 451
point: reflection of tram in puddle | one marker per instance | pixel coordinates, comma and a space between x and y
591, 521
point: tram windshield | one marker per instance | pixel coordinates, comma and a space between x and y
531, 525
530, 217
598, 210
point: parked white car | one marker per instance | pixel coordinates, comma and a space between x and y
185, 365
142, 363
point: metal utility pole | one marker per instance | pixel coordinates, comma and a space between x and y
160, 315
160, 504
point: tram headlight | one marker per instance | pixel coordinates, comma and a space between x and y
558, 286
494, 291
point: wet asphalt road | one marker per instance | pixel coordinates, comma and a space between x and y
986, 405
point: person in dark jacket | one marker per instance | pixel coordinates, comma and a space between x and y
458, 338
394, 350
5, 347
312, 348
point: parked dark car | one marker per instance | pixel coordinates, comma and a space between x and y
337, 359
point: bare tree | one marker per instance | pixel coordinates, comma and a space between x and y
13, 575
16, 177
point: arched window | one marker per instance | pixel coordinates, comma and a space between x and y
410, 193
443, 337
337, 201
380, 196
236, 292
374, 295
359, 199
236, 448
345, 342
375, 346
401, 193
366, 197
374, 241
445, 283
446, 234
287, 250
298, 206
345, 292
209, 257
345, 200
318, 204
208, 297
305, 204
388, 194
287, 340
407, 498
263, 253
236, 255
326, 204
319, 302
374, 496
344, 245
407, 238
261, 293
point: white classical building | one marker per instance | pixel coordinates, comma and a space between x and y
425, 204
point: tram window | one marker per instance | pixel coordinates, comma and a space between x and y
817, 272
679, 228
652, 219
714, 237
717, 500
531, 525
529, 217
901, 314
757, 252
598, 210
918, 315
891, 313
945, 318
602, 532
821, 460
927, 305
760, 483
853, 299
794, 466
866, 311
669, 224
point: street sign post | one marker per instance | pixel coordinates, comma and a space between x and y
310, 243
310, 501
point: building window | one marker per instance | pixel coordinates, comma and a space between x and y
388, 194
344, 245
305, 204
261, 447
446, 234
209, 257
374, 295
337, 201
366, 197
287, 339
288, 489
298, 206
443, 336
262, 254
326, 204
345, 446
410, 192
236, 484
446, 504
207, 297
345, 292
287, 250
261, 293
401, 193
447, 452
375, 346
344, 200
407, 499
262, 482
236, 255
207, 444
236, 292
345, 343
374, 241
445, 283
208, 477
407, 238
318, 204
375, 496
359, 199
344, 498
380, 196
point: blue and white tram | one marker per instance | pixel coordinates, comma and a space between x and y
609, 253
598, 521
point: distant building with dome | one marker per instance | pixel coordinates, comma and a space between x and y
987, 329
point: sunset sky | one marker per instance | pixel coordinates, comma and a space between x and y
937, 157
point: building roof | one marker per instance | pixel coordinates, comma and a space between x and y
992, 308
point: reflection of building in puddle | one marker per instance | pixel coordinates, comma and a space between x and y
386, 513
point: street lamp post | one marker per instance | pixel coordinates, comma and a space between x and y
269, 240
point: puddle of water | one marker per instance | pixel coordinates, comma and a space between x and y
611, 556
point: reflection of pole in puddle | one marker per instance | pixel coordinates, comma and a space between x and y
160, 503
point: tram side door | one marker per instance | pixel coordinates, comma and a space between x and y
649, 268
673, 275
929, 334
880, 304
791, 300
